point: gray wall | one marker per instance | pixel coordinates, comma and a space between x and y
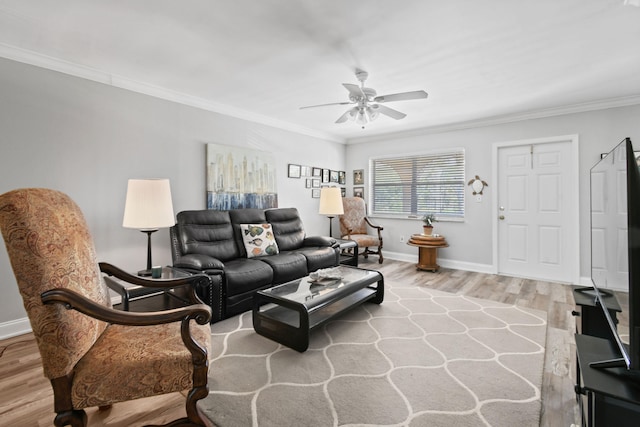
87, 139
470, 241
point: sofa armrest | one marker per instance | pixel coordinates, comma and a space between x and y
198, 262
319, 241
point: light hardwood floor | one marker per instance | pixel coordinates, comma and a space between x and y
26, 398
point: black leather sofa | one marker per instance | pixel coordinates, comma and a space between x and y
211, 242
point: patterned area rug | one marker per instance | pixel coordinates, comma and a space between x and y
421, 358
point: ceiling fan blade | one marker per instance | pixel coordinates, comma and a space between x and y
404, 96
343, 118
354, 90
394, 114
325, 105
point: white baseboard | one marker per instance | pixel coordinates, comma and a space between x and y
443, 262
13, 328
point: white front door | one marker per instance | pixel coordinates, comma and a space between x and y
536, 233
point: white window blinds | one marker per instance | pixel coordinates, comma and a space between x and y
417, 184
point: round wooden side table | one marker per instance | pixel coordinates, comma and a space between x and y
427, 250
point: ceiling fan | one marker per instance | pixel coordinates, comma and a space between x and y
368, 104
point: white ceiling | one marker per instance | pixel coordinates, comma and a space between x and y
480, 61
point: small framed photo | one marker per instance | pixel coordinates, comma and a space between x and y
316, 172
307, 183
343, 192
333, 176
315, 183
305, 170
342, 177
294, 171
325, 175
358, 192
358, 177
315, 193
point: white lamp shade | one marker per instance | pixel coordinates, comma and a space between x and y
148, 205
331, 201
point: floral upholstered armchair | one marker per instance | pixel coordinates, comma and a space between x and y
92, 354
354, 225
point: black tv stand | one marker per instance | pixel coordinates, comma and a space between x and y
590, 290
590, 319
612, 396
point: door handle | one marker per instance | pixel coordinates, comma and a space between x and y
501, 217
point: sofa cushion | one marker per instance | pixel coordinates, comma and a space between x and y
286, 266
207, 232
319, 257
258, 240
287, 227
244, 275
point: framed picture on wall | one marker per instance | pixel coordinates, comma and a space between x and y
333, 176
315, 193
325, 175
222, 161
305, 170
308, 183
315, 183
316, 172
342, 177
358, 192
343, 192
358, 177
294, 171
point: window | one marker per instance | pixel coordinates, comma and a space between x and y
416, 184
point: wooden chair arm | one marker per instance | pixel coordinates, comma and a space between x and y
377, 227
112, 270
194, 280
201, 313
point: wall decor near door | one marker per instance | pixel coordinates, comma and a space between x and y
239, 178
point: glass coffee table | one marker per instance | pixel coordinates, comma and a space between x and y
287, 313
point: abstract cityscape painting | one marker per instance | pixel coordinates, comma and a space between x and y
239, 178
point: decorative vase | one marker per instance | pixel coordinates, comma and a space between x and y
427, 230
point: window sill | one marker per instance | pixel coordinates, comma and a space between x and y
413, 218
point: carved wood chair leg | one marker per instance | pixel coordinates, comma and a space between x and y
71, 418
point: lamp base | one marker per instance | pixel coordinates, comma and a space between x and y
330, 226
147, 271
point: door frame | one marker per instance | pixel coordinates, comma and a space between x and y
575, 195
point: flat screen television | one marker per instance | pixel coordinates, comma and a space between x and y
615, 246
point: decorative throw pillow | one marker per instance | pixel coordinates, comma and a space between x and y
258, 240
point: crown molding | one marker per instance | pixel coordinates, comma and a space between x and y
93, 74
48, 62
623, 101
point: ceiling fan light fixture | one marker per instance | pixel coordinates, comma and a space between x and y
368, 104
373, 112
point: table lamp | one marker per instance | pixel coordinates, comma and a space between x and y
331, 204
148, 207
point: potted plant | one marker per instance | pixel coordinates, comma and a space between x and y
428, 219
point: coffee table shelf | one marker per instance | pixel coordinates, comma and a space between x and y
288, 313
